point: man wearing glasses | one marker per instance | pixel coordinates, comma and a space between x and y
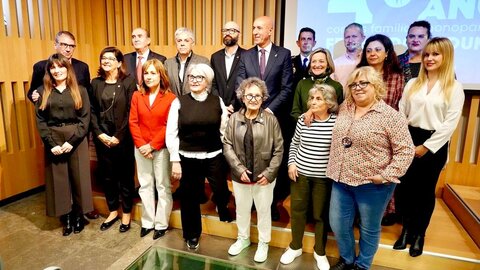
225, 66
65, 45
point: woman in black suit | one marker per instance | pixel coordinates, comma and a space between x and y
111, 93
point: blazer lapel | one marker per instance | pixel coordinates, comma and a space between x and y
272, 58
234, 64
146, 100
255, 61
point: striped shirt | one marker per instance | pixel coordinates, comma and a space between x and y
310, 147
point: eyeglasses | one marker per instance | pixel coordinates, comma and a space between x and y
250, 97
111, 59
230, 31
66, 46
358, 86
198, 78
347, 142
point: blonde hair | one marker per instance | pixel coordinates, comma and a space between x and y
71, 82
330, 64
372, 76
446, 73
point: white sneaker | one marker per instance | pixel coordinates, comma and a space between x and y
322, 261
238, 246
289, 255
262, 252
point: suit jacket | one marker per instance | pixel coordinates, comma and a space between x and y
120, 107
172, 65
278, 77
148, 124
131, 61
81, 72
299, 72
222, 86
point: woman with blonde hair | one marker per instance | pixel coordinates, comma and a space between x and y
432, 104
370, 150
148, 122
63, 117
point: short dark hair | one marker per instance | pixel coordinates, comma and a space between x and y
423, 24
306, 29
122, 71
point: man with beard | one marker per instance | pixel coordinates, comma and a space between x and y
306, 42
353, 38
225, 65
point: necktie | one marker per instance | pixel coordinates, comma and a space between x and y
139, 70
262, 62
305, 60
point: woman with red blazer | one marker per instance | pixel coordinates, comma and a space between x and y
148, 121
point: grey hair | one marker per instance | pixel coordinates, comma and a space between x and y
328, 93
184, 30
249, 82
204, 70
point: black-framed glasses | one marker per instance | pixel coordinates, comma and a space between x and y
66, 45
250, 97
111, 59
347, 142
194, 78
358, 86
230, 31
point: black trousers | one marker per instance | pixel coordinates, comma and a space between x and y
116, 169
192, 184
416, 193
282, 186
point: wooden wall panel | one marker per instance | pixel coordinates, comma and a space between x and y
100, 23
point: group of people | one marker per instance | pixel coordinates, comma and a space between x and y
337, 136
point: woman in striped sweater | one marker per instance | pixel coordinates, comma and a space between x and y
307, 163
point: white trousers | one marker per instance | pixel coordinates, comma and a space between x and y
262, 196
155, 174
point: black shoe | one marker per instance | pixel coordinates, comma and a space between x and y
402, 241
224, 215
145, 231
389, 219
67, 225
275, 214
92, 215
193, 243
79, 224
107, 224
342, 265
159, 233
124, 227
356, 267
416, 248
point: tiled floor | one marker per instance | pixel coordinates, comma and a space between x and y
30, 240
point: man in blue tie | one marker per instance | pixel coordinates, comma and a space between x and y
306, 42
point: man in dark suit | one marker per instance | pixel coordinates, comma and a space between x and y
141, 42
225, 65
65, 45
273, 64
306, 42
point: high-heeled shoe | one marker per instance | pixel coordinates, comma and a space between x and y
107, 224
403, 240
67, 224
416, 248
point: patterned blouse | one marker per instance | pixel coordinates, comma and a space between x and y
380, 144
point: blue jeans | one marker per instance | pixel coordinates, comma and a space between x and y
371, 201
